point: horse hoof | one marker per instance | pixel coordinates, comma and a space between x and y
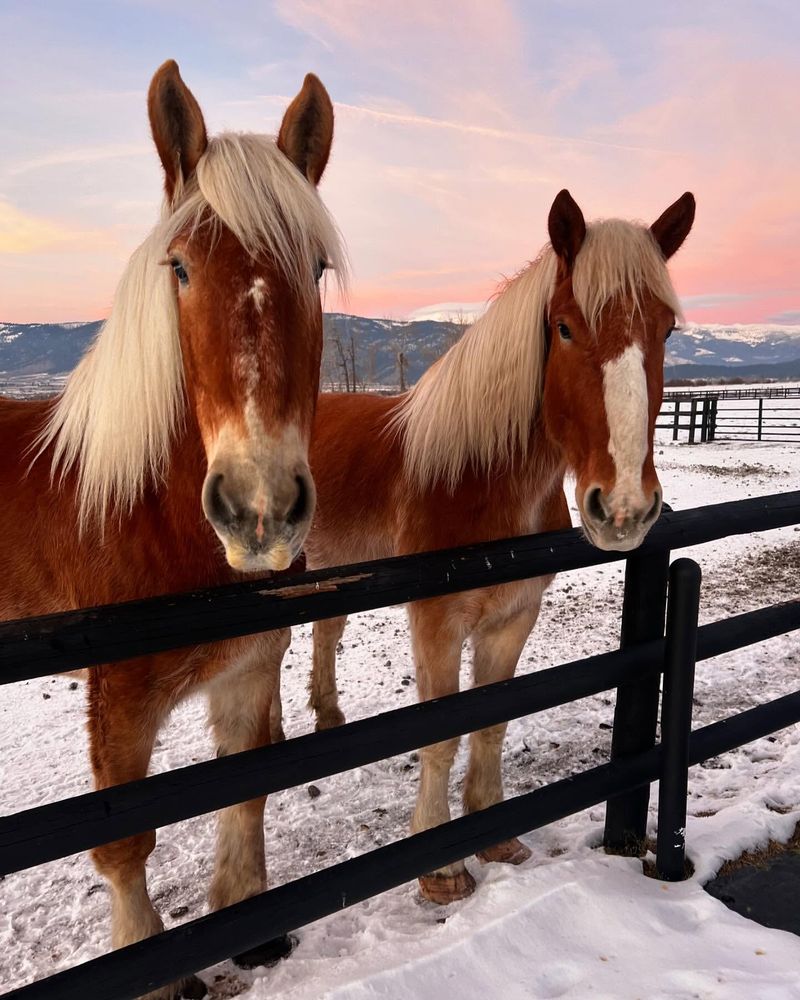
192, 988
444, 889
330, 719
268, 953
509, 852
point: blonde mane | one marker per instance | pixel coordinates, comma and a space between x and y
476, 405
122, 405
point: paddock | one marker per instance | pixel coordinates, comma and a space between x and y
768, 413
366, 808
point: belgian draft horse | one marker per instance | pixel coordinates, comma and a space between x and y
185, 426
564, 372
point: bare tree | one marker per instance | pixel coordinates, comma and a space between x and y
456, 324
345, 355
372, 364
402, 344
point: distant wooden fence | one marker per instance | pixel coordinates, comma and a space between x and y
36, 647
697, 413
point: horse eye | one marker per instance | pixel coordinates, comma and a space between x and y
563, 331
180, 271
669, 332
322, 266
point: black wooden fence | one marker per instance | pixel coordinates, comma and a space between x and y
40, 646
698, 413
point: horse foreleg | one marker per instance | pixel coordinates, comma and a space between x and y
323, 696
437, 655
275, 664
240, 701
125, 712
496, 652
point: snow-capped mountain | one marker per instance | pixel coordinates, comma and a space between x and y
733, 345
50, 348
693, 351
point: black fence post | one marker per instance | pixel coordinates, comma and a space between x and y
636, 712
676, 717
676, 422
760, 417
712, 430
692, 420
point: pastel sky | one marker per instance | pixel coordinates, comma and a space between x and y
456, 125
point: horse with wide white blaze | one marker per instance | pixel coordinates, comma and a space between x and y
185, 426
563, 373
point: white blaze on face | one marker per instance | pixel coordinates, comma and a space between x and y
257, 293
625, 395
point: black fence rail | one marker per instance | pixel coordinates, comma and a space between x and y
740, 392
55, 643
699, 414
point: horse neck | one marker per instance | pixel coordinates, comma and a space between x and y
183, 480
172, 516
530, 475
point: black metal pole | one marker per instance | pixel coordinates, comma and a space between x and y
676, 717
636, 712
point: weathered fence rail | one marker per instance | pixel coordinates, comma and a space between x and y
35, 647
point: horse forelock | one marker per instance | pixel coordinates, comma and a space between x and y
116, 419
251, 186
619, 258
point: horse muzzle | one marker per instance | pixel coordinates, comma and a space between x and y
617, 522
262, 522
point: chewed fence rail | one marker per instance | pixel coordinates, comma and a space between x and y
54, 643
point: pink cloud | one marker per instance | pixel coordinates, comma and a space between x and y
443, 173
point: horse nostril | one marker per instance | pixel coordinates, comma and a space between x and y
594, 504
300, 506
652, 514
218, 506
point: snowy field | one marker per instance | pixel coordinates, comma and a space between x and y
571, 922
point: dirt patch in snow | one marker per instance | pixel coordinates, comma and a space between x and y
761, 857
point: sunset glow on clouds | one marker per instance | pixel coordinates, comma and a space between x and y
456, 125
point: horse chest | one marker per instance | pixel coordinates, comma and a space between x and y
487, 609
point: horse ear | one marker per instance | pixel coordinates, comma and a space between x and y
176, 121
307, 129
566, 226
672, 228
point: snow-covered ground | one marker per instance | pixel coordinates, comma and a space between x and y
571, 922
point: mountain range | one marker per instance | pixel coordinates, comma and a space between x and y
707, 351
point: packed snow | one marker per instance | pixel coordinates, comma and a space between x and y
571, 922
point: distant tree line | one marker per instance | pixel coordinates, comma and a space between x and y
722, 380
350, 365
